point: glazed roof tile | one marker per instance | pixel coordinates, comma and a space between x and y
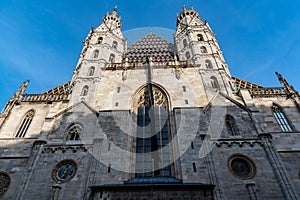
150, 45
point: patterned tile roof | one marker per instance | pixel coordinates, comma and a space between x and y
150, 45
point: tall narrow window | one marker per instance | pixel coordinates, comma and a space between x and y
85, 90
115, 44
200, 37
281, 118
100, 40
91, 71
96, 53
214, 82
25, 124
208, 64
231, 125
74, 132
153, 158
187, 55
112, 58
203, 49
184, 43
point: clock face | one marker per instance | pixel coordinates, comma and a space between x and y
64, 171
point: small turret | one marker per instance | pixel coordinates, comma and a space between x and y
188, 17
112, 20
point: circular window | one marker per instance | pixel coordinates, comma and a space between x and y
242, 166
64, 171
4, 183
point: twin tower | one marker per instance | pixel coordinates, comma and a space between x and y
109, 73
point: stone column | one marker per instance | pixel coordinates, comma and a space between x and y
55, 192
251, 190
278, 168
35, 153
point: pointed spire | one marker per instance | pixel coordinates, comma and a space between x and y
21, 90
115, 10
291, 92
184, 7
16, 98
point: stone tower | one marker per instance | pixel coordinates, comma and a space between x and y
196, 43
104, 44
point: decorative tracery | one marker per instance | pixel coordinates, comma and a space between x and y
74, 132
158, 97
153, 134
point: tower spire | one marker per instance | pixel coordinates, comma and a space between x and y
15, 99
290, 91
115, 10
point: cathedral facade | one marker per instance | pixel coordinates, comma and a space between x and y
152, 120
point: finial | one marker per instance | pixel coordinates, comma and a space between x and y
150, 30
184, 7
115, 10
192, 7
291, 92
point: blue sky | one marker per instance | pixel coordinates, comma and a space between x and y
41, 40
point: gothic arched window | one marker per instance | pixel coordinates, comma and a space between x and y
74, 132
91, 71
281, 118
115, 44
153, 156
184, 43
112, 58
96, 53
187, 55
27, 119
203, 49
200, 37
85, 90
100, 40
214, 82
231, 125
208, 64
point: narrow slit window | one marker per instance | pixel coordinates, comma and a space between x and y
96, 53
109, 168
184, 43
85, 90
194, 167
115, 44
208, 64
214, 82
91, 71
192, 145
231, 125
187, 55
112, 58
